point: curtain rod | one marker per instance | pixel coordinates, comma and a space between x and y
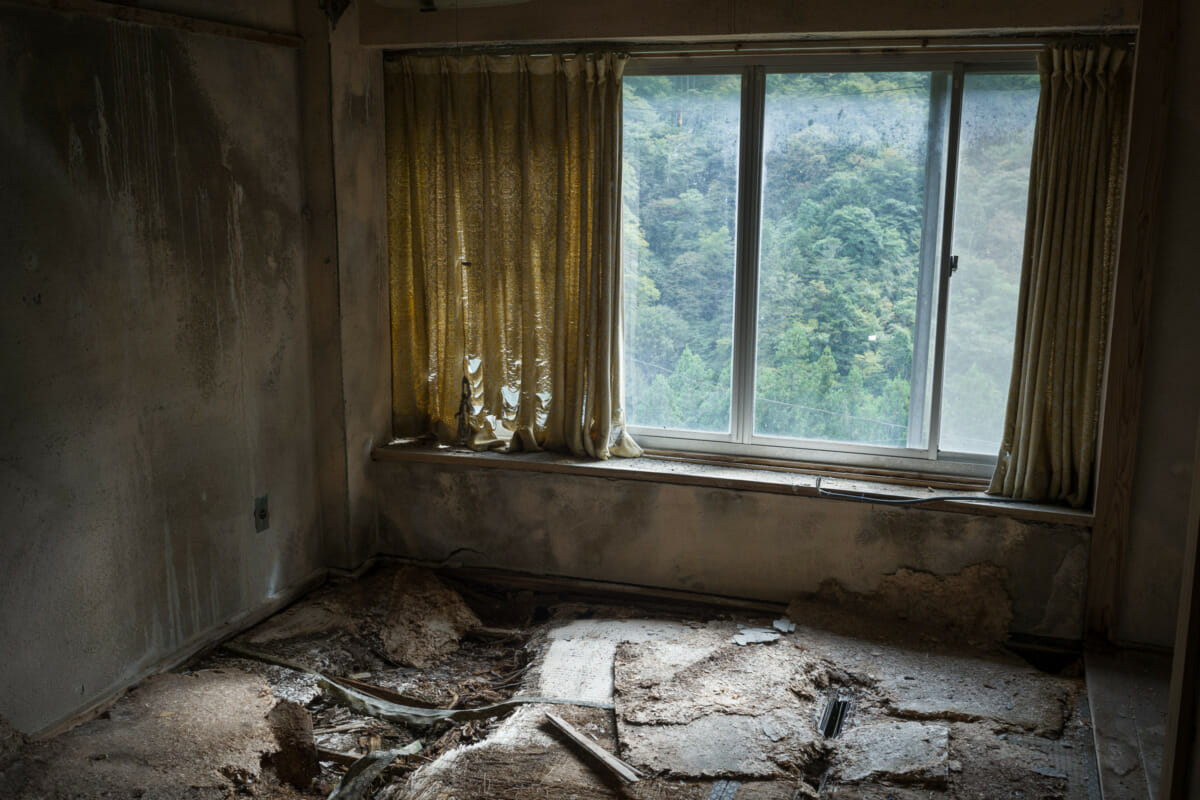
1004, 43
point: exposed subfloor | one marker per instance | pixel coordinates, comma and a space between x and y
703, 701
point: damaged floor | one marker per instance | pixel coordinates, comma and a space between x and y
406, 685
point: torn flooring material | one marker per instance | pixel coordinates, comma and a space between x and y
199, 735
700, 705
667, 690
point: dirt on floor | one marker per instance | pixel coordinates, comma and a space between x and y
836, 700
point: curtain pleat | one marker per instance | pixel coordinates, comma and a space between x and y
1048, 448
503, 226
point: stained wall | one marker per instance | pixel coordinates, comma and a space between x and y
748, 544
154, 348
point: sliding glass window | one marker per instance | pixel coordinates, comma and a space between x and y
823, 264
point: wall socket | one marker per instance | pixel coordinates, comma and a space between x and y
262, 514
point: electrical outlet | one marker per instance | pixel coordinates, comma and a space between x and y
262, 514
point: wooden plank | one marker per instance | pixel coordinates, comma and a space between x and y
1129, 327
607, 759
162, 19
383, 693
1180, 745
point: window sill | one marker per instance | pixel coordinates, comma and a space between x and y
798, 480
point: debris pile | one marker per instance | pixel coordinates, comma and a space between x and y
393, 687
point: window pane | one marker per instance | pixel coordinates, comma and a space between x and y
995, 147
678, 229
844, 207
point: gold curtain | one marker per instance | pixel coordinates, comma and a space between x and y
504, 177
1049, 443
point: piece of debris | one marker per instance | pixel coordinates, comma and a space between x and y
784, 625
340, 690
724, 790
12, 742
362, 773
904, 752
834, 717
969, 689
755, 636
608, 760
425, 619
698, 706
384, 693
209, 726
296, 761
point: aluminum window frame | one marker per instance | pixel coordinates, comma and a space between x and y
741, 440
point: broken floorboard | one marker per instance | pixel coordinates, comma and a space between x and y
926, 717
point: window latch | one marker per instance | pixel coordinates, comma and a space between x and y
953, 264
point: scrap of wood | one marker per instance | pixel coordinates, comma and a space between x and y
383, 693
614, 764
356, 725
356, 783
337, 756
341, 691
487, 634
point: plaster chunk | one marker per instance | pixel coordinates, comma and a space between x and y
904, 752
701, 706
971, 689
424, 619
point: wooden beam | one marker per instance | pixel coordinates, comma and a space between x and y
149, 18
1130, 312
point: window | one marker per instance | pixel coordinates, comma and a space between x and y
824, 263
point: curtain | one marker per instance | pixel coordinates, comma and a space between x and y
1049, 442
504, 177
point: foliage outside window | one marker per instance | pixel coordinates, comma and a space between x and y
788, 251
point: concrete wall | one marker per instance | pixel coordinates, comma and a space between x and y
153, 343
360, 183
737, 543
1171, 383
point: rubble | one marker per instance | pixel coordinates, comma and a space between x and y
900, 752
698, 706
172, 736
425, 620
12, 742
295, 762
678, 699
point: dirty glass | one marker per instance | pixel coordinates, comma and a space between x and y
680, 174
996, 143
843, 211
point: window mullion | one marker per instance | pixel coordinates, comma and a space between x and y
944, 271
746, 294
935, 164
